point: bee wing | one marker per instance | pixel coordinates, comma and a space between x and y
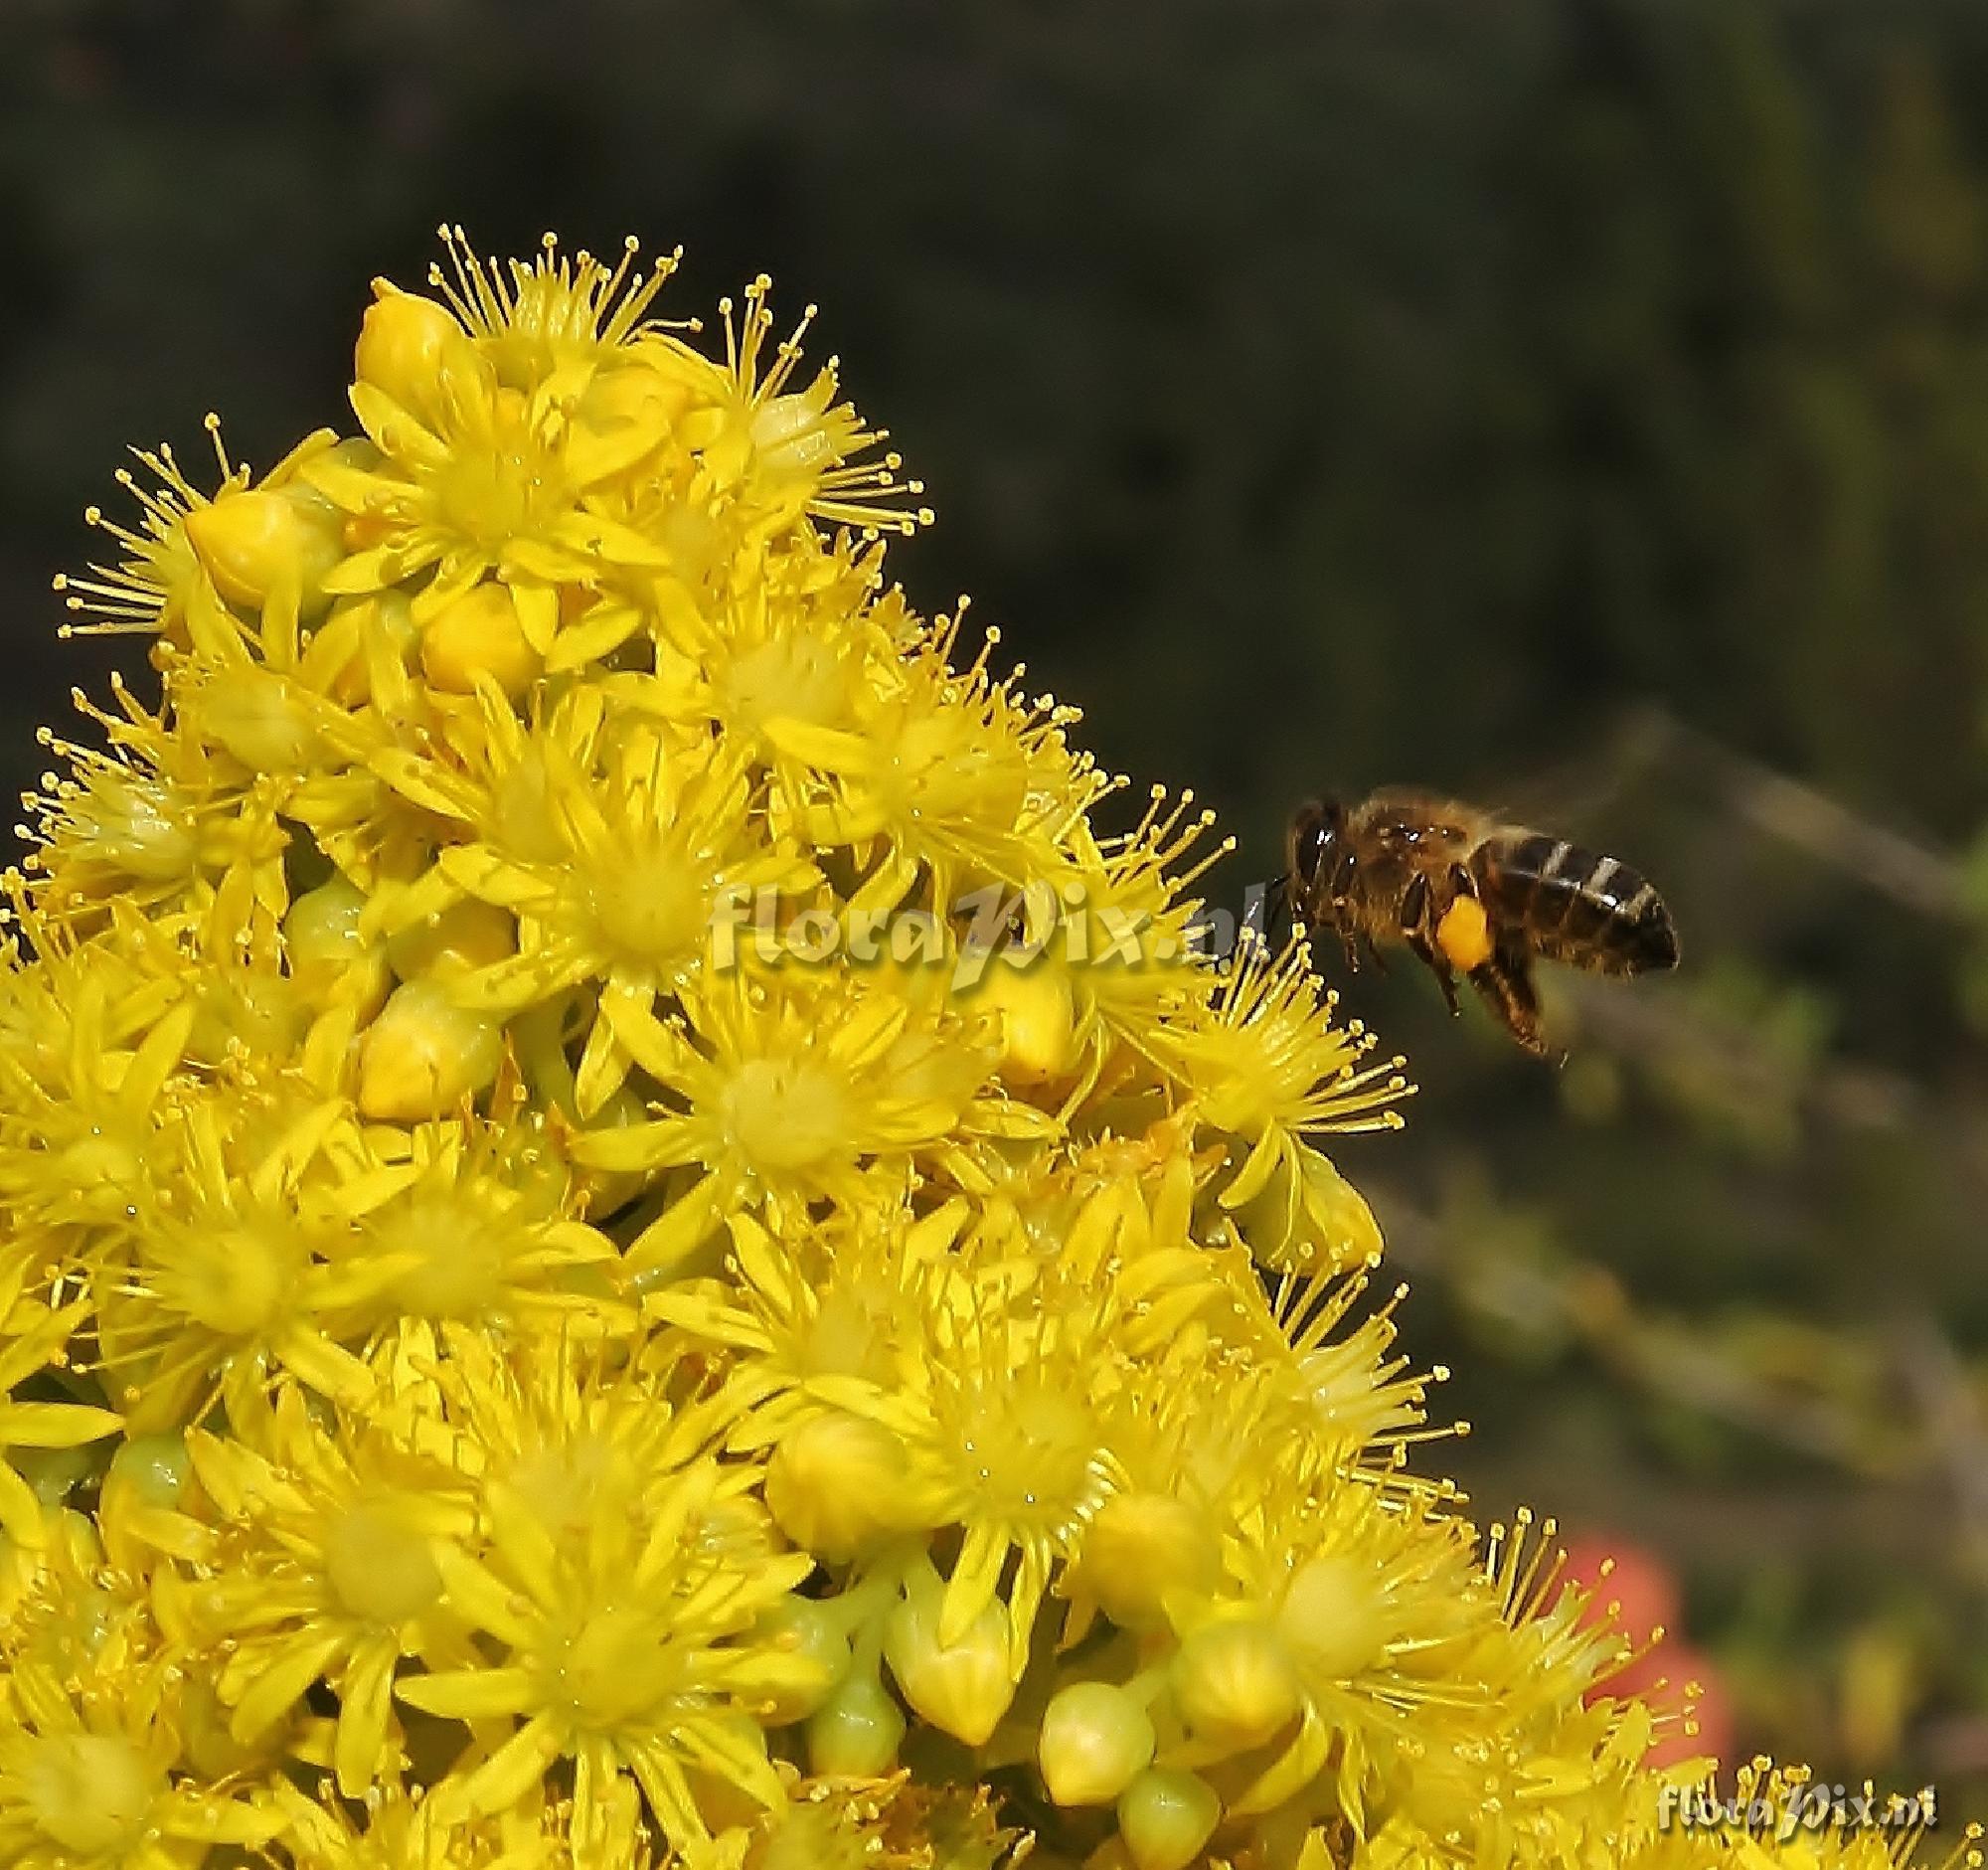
1575, 795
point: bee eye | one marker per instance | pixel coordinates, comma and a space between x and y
1314, 838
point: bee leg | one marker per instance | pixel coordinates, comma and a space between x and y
1373, 955
1414, 912
1425, 951
1505, 983
1462, 883
1414, 920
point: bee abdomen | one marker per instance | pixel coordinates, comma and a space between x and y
1575, 906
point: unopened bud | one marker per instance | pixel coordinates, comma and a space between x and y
1037, 1016
467, 935
323, 946
260, 716
407, 344
836, 1482
1095, 1740
963, 1688
1164, 1818
323, 924
1308, 1218
1331, 1617
808, 1633
856, 1732
1139, 1547
424, 1054
53, 1472
1234, 1683
154, 1467
479, 633
253, 540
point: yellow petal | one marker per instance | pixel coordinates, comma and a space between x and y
479, 1597
275, 1688
55, 1425
394, 431
514, 1769
828, 748
469, 1694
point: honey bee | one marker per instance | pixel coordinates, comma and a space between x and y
1474, 897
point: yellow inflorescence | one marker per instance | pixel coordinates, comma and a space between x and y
631, 1241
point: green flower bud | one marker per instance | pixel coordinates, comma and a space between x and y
836, 1482
963, 1688
809, 1632
856, 1732
1095, 1740
1165, 1818
424, 1054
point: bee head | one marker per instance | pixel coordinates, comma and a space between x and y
1315, 835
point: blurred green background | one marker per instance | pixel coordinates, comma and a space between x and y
1579, 404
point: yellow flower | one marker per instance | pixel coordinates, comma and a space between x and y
249, 540
1266, 1068
397, 1832
629, 1653
802, 643
570, 1427
329, 1543
1346, 1389
1225, 1414
788, 1086
1537, 1773
229, 1276
146, 591
1139, 971
648, 852
532, 318
83, 1105
148, 821
779, 452
1017, 1382
491, 472
818, 1317
469, 1218
90, 1777
949, 772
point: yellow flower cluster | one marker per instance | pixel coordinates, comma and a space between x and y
501, 1371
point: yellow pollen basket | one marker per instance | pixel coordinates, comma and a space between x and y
1464, 934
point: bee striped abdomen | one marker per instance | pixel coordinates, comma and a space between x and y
1575, 905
